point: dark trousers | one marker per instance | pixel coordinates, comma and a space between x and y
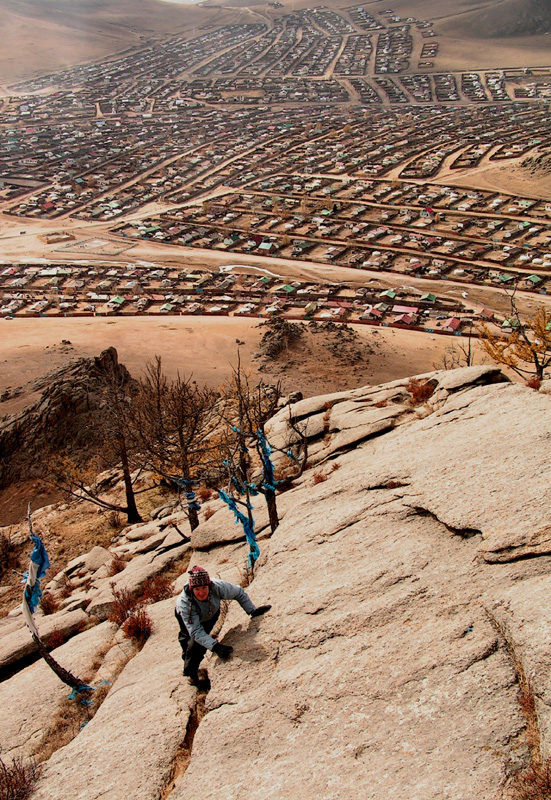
192, 651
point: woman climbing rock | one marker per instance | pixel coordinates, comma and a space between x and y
197, 610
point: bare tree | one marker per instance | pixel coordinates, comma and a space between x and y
177, 425
527, 350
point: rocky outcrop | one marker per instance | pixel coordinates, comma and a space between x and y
64, 415
408, 580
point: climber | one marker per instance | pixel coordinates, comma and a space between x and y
197, 610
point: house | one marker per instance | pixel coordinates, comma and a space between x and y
404, 319
452, 324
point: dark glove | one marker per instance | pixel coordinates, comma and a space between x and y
222, 650
260, 610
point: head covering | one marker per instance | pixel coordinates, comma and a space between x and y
198, 577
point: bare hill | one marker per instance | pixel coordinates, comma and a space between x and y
38, 37
498, 20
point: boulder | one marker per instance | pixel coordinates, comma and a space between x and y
17, 644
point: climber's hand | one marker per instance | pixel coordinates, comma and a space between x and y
222, 650
260, 610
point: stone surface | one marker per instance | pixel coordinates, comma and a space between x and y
17, 644
409, 589
29, 701
127, 749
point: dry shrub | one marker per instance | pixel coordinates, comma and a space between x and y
204, 493
125, 603
534, 383
138, 626
117, 565
319, 477
534, 784
209, 512
67, 589
18, 779
394, 484
55, 639
49, 603
335, 466
8, 553
420, 391
160, 587
115, 520
380, 404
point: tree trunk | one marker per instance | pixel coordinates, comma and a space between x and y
193, 518
132, 513
272, 509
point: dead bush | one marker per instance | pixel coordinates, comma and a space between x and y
66, 590
204, 493
160, 587
420, 391
335, 466
380, 404
533, 784
534, 383
55, 639
125, 603
319, 477
115, 520
116, 565
137, 626
209, 512
49, 603
18, 779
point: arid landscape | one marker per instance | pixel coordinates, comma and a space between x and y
347, 207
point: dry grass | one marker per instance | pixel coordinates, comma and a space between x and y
204, 493
49, 603
420, 391
533, 784
138, 626
157, 588
319, 477
117, 565
534, 383
208, 513
17, 780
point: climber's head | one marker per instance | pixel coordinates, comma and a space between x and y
199, 583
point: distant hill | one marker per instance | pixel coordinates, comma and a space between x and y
502, 19
44, 35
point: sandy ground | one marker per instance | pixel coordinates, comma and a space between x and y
207, 349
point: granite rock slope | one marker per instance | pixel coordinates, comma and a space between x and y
408, 586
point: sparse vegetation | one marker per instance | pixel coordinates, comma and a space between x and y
160, 587
533, 784
116, 565
138, 626
527, 349
49, 603
319, 477
420, 391
18, 779
209, 512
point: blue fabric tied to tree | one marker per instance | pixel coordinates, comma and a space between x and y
269, 480
39, 556
248, 526
189, 494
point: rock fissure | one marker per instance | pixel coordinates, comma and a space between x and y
182, 758
526, 697
464, 533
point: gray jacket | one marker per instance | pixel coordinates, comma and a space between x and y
202, 611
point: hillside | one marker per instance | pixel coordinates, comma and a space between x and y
499, 20
39, 37
407, 649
